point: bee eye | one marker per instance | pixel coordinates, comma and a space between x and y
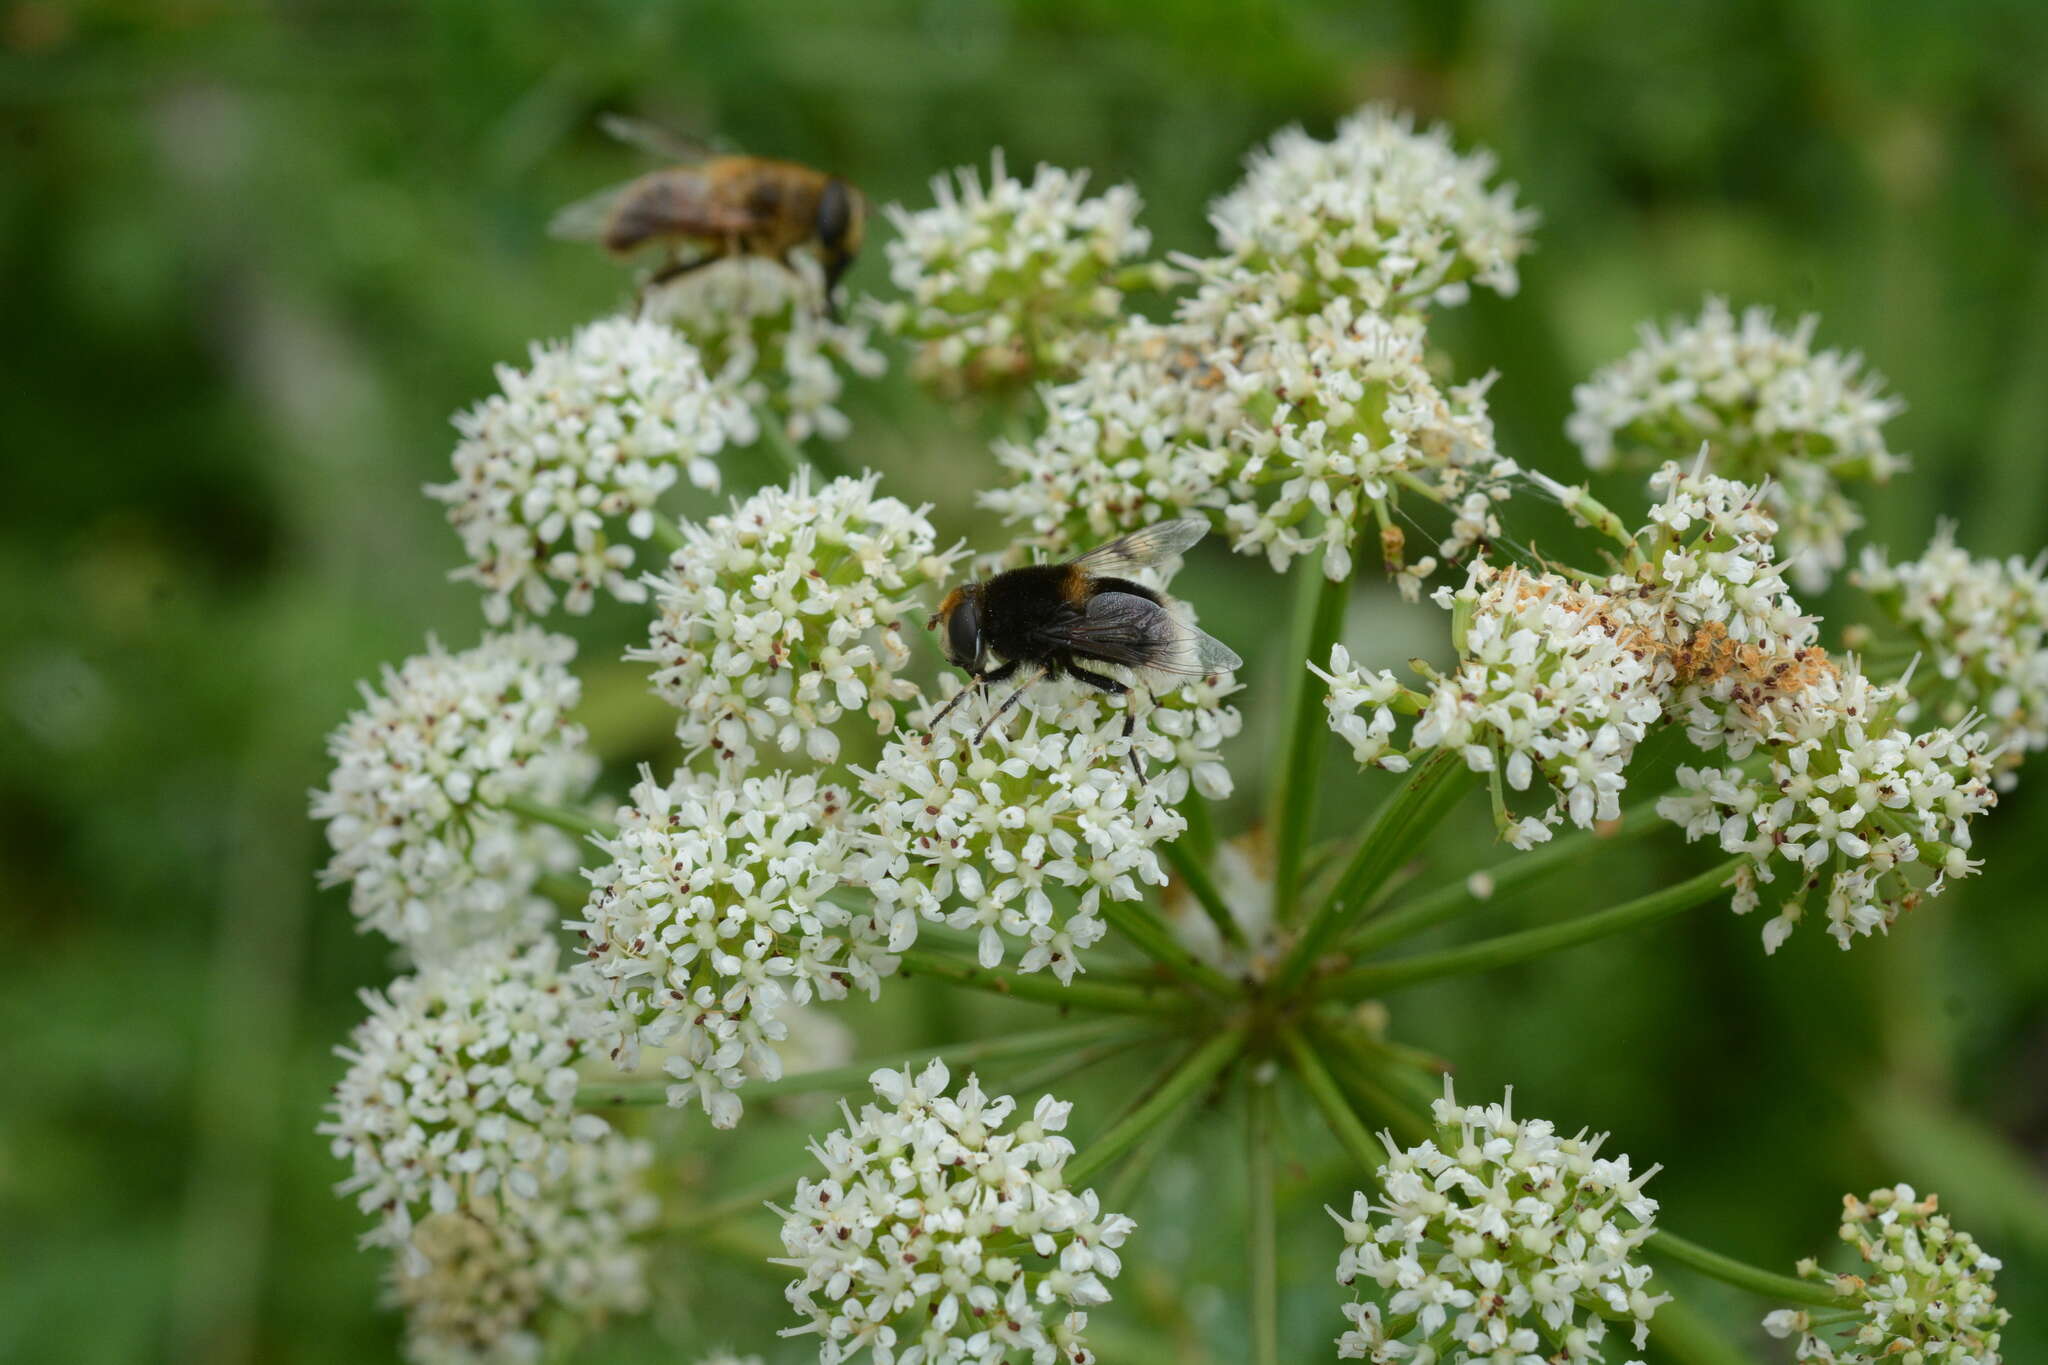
963, 636
835, 214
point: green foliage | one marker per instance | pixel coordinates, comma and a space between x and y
255, 257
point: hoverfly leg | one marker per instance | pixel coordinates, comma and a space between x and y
1016, 695
1103, 683
978, 683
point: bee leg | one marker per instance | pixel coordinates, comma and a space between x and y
1114, 688
674, 270
1016, 695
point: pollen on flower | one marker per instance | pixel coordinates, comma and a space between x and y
1924, 1291
1010, 283
557, 475
1553, 684
783, 617
722, 908
412, 806
943, 1232
1021, 837
761, 333
1382, 214
1514, 1242
1771, 410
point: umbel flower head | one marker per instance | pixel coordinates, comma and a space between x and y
460, 1094
1849, 804
1335, 409
1983, 624
1383, 214
1924, 1295
715, 914
474, 1285
1134, 438
412, 806
943, 1234
557, 475
1021, 836
1553, 684
1520, 1243
780, 618
761, 332
1011, 282
1771, 409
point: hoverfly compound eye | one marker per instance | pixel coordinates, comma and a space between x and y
963, 636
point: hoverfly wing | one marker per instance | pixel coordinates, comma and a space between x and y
589, 218
665, 144
1123, 628
1143, 548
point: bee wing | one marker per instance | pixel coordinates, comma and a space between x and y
1144, 547
1123, 628
587, 219
665, 144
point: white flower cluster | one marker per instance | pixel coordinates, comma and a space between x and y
777, 619
1134, 438
1926, 1295
418, 773
457, 1116
1361, 707
1012, 282
1517, 1241
1020, 837
1849, 801
575, 450
1337, 409
1984, 626
714, 917
761, 333
1551, 684
942, 1235
1383, 214
1771, 410
479, 1282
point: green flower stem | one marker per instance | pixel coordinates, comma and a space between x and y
1376, 978
1367, 1079
667, 534
1125, 1187
1319, 611
1137, 923
1202, 886
561, 817
1201, 831
1045, 989
1397, 827
1264, 1242
570, 893
1448, 902
855, 1074
1337, 1111
1741, 1274
1190, 1076
1682, 1334
825, 463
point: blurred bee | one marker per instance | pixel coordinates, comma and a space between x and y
711, 207
1055, 620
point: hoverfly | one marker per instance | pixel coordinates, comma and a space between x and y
710, 207
1056, 620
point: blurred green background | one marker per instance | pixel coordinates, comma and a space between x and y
259, 253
